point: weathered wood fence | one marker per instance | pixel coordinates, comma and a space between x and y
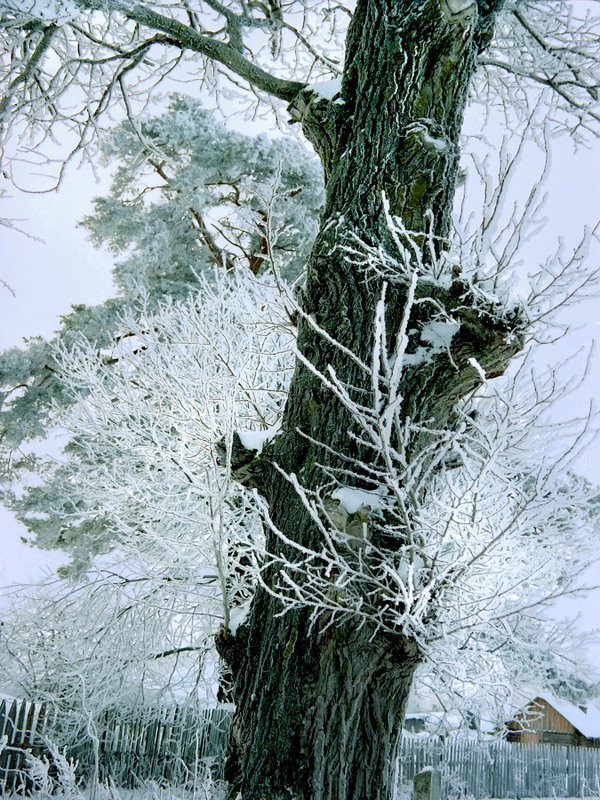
167, 745
483, 769
177, 746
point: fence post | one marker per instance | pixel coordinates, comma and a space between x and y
427, 785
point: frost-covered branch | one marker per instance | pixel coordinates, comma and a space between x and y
74, 76
446, 534
548, 49
68, 61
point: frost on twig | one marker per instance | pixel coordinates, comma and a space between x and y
142, 479
446, 321
447, 532
495, 236
546, 51
460, 545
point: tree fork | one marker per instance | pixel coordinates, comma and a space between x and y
319, 708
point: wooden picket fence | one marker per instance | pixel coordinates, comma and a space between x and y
20, 723
176, 746
167, 745
481, 769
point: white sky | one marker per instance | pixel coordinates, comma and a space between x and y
48, 277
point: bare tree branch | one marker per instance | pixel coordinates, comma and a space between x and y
186, 37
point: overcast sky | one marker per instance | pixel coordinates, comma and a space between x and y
48, 276
45, 276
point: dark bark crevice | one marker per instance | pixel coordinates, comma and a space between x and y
319, 707
357, 717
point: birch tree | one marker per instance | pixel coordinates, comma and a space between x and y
378, 511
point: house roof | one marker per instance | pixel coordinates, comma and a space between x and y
586, 722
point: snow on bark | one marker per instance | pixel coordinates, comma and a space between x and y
327, 90
256, 440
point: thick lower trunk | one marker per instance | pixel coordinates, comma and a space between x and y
357, 715
320, 702
319, 716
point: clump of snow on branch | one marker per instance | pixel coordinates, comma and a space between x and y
256, 440
327, 90
351, 499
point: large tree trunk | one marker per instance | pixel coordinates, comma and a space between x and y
319, 705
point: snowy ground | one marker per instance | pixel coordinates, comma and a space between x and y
208, 792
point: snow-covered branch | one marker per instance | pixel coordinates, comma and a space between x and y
449, 534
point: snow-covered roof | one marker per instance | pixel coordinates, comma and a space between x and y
586, 722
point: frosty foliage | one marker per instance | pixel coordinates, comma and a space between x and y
54, 776
39, 774
187, 196
188, 192
459, 535
47, 11
126, 636
140, 474
29, 381
143, 387
144, 419
113, 55
545, 50
496, 243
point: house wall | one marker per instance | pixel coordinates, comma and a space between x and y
540, 723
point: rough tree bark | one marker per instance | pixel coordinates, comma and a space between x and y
319, 710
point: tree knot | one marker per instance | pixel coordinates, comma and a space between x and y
317, 108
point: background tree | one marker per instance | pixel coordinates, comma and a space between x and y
395, 335
203, 206
138, 478
120, 640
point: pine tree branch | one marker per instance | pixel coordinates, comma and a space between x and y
219, 256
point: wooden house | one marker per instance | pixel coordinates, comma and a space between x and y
548, 720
